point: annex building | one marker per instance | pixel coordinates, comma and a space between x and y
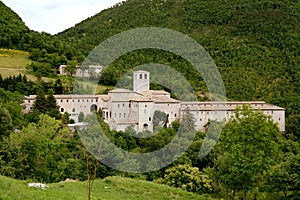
122, 108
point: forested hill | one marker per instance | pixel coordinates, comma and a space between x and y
255, 44
272, 23
11, 27
14, 34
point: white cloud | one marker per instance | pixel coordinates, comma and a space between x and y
54, 16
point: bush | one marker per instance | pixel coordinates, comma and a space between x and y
188, 178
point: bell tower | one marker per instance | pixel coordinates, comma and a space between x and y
141, 81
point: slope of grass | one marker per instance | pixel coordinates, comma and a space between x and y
109, 188
13, 62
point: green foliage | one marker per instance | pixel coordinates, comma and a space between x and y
284, 176
5, 122
188, 178
253, 43
10, 107
159, 118
46, 104
40, 103
71, 68
248, 147
187, 123
81, 117
42, 152
18, 83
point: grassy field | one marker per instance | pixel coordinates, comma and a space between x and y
13, 62
112, 188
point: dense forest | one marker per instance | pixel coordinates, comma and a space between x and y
255, 45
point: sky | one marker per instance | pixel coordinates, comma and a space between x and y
54, 16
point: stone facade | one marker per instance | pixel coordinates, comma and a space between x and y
92, 70
122, 108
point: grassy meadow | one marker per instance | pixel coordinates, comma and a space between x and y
112, 188
13, 62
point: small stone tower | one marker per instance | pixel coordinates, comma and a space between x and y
141, 81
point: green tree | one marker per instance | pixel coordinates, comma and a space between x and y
187, 123
52, 107
188, 178
248, 146
6, 123
40, 103
71, 68
284, 176
66, 118
159, 118
81, 117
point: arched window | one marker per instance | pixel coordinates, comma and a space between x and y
73, 110
94, 107
145, 127
62, 110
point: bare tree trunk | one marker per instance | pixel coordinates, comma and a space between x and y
233, 194
92, 175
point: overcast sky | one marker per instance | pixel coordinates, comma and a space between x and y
53, 16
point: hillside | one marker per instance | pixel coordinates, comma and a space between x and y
255, 44
109, 188
11, 27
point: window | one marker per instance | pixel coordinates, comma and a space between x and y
78, 100
279, 119
200, 120
145, 111
73, 110
115, 115
145, 106
62, 110
124, 115
61, 100
87, 100
118, 105
141, 76
145, 76
123, 105
28, 101
120, 115
175, 115
67, 100
149, 119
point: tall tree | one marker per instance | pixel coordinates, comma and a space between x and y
248, 146
159, 118
71, 68
5, 122
52, 107
40, 103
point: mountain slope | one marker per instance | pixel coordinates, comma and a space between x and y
11, 27
255, 44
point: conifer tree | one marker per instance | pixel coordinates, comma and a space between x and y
40, 103
52, 107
